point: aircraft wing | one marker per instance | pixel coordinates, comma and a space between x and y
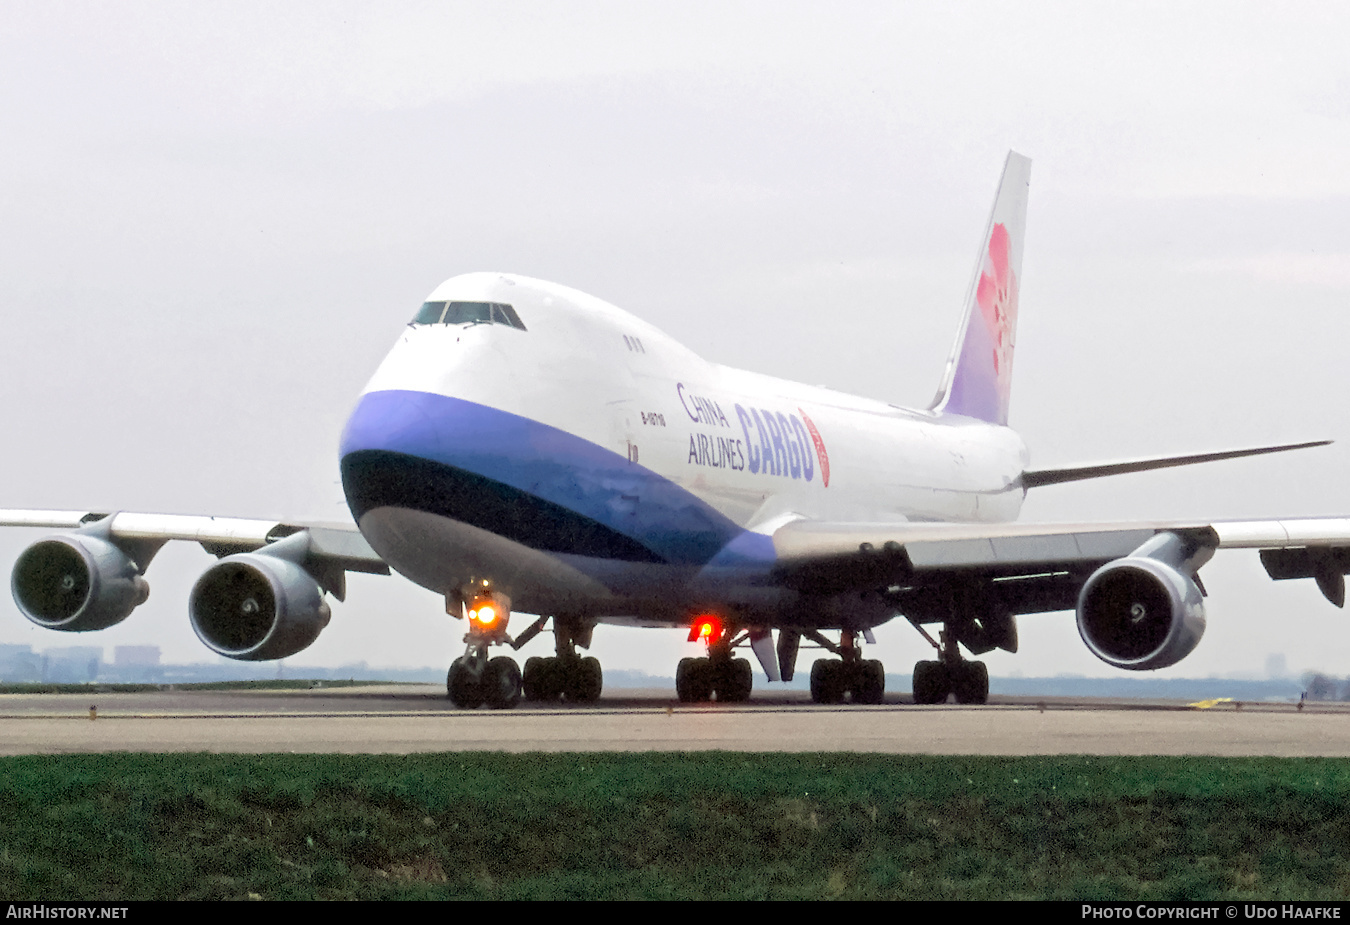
1031, 568
327, 547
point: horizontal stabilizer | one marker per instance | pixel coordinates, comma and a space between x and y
1034, 478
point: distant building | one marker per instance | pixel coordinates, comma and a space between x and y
134, 665
19, 664
1277, 666
136, 656
72, 664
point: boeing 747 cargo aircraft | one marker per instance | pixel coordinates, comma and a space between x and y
526, 449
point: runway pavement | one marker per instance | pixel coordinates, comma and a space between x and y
411, 718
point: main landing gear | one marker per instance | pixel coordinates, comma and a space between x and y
861, 680
951, 674
719, 675
729, 680
566, 675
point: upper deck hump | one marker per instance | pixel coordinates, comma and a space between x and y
553, 306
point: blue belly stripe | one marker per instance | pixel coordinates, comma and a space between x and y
548, 488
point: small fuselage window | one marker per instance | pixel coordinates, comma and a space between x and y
468, 313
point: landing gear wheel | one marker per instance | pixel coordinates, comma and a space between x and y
584, 680
501, 683
579, 680
827, 681
464, 685
693, 680
970, 682
932, 683
869, 682
537, 679
735, 682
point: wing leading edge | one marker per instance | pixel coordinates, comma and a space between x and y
263, 600
337, 545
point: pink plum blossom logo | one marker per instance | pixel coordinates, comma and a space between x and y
823, 456
997, 298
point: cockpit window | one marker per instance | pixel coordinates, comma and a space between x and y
468, 313
430, 314
511, 317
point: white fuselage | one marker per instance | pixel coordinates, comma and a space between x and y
601, 440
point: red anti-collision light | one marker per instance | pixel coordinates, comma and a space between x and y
707, 628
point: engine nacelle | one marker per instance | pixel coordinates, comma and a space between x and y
77, 583
257, 607
1140, 613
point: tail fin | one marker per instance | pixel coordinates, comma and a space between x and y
978, 378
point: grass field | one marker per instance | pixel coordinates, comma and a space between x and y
95, 688
707, 825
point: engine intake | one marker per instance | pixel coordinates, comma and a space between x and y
77, 583
1144, 611
257, 607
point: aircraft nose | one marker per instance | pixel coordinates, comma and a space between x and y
392, 421
385, 449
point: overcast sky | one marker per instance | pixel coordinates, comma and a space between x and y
216, 218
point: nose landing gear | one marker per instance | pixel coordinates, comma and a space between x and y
473, 678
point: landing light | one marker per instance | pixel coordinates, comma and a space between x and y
484, 615
488, 612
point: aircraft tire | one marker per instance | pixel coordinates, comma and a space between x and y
736, 682
534, 679
585, 679
465, 690
501, 683
869, 682
932, 683
971, 683
693, 680
827, 681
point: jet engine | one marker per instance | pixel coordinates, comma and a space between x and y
257, 607
1145, 611
77, 583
